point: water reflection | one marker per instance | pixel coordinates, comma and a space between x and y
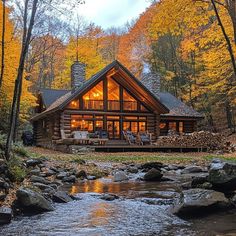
127, 216
128, 189
101, 213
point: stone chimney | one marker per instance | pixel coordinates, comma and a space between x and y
152, 81
77, 75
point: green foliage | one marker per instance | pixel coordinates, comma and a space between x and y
20, 150
17, 171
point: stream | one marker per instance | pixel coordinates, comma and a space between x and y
141, 210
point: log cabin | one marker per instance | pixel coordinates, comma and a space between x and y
112, 100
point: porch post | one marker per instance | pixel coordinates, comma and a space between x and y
157, 130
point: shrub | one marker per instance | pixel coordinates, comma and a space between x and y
20, 150
17, 171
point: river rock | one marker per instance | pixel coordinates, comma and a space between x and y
33, 162
32, 201
91, 177
62, 175
120, 176
35, 172
81, 174
61, 197
150, 165
42, 186
5, 215
4, 184
69, 179
49, 172
109, 197
198, 180
153, 175
39, 179
192, 169
222, 175
133, 170
197, 200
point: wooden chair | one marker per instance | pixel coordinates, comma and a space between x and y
144, 138
129, 137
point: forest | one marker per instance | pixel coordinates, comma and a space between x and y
107, 154
190, 44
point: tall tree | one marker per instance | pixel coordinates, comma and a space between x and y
27, 33
3, 40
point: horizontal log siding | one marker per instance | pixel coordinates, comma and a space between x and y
43, 133
151, 126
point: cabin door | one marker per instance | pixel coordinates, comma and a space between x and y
113, 128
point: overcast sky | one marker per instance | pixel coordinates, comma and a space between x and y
107, 13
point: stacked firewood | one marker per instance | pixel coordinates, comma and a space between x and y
201, 139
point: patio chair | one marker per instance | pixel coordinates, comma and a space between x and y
80, 137
129, 137
101, 139
144, 138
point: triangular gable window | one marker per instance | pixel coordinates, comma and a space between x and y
93, 99
129, 102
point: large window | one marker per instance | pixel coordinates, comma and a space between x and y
93, 99
113, 95
129, 103
135, 124
87, 123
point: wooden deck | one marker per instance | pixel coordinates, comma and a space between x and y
147, 148
123, 146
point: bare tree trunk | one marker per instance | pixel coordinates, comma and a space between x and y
3, 40
18, 83
230, 49
231, 8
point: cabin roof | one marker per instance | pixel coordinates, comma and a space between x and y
177, 107
49, 96
57, 99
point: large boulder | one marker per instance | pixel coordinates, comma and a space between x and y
199, 201
61, 197
153, 175
150, 165
120, 176
5, 215
222, 175
32, 201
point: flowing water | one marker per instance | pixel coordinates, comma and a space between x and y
141, 210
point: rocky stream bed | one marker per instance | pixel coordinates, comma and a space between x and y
130, 199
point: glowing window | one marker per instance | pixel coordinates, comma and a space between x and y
93, 99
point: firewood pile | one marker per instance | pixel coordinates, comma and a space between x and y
201, 139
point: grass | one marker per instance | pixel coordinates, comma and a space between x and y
128, 157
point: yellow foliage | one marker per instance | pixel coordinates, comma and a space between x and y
12, 54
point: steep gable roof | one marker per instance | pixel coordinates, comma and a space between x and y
51, 95
60, 103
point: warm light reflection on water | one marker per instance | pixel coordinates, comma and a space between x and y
124, 188
98, 186
101, 213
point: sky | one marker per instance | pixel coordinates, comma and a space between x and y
108, 13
